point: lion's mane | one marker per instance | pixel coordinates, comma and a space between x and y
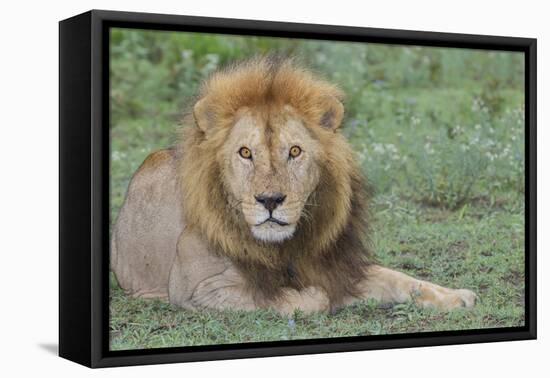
330, 247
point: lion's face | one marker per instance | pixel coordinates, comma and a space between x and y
270, 169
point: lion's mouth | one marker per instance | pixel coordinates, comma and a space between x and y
274, 220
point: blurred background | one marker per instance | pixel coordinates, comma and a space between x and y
439, 133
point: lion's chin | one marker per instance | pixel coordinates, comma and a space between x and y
270, 232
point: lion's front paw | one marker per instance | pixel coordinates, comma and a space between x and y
431, 295
222, 291
467, 297
457, 298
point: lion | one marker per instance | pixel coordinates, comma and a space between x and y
261, 204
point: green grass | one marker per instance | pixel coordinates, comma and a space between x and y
439, 133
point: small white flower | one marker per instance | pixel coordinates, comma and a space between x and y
378, 148
186, 54
117, 155
391, 148
415, 120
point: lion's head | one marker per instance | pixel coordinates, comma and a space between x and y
270, 164
266, 175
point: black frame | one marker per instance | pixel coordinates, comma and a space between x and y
84, 187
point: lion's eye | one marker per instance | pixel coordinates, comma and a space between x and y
295, 151
245, 153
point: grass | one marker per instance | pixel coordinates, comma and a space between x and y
439, 134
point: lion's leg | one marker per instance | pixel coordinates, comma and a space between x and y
390, 286
200, 279
158, 293
228, 291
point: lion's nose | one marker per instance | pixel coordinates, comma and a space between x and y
270, 201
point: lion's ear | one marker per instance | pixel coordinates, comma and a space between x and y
333, 113
204, 118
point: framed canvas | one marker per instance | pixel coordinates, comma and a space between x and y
234, 188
